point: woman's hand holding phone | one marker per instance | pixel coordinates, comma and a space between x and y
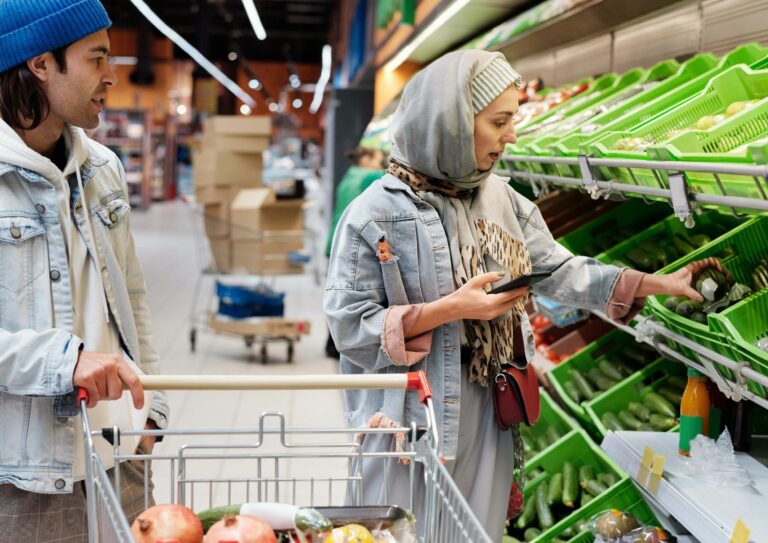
473, 302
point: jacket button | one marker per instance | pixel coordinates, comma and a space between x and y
40, 208
113, 217
59, 484
55, 275
15, 233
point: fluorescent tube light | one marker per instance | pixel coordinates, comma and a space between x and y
325, 76
253, 16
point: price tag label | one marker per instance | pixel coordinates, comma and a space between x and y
645, 466
740, 532
657, 470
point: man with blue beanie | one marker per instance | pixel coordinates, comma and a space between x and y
72, 294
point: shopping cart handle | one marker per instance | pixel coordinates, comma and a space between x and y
82, 395
417, 380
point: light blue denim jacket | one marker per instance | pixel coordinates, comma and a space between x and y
37, 360
360, 290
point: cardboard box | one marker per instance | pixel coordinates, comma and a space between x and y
258, 125
234, 144
216, 218
214, 194
226, 168
221, 249
255, 211
263, 258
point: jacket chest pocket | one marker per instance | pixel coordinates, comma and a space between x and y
114, 213
22, 253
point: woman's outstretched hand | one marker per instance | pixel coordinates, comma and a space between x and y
680, 282
472, 302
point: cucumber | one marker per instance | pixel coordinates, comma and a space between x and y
738, 292
671, 302
531, 533
553, 435
594, 374
608, 479
624, 369
661, 423
640, 259
638, 355
645, 427
611, 422
542, 443
700, 240
570, 484
211, 516
699, 316
527, 516
528, 445
585, 499
509, 539
610, 370
595, 487
572, 391
533, 474
629, 420
688, 308
639, 410
568, 533
555, 494
581, 383
546, 520
682, 245
586, 472
659, 404
671, 394
604, 383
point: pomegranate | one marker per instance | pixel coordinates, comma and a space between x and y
240, 528
167, 523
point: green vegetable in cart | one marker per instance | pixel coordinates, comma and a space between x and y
700, 240
658, 404
546, 520
706, 122
542, 443
527, 516
671, 394
595, 487
641, 259
555, 494
570, 484
645, 427
600, 380
671, 302
585, 499
629, 420
531, 533
608, 479
639, 410
611, 422
661, 423
738, 292
682, 245
688, 308
534, 473
581, 383
572, 391
509, 539
624, 369
528, 445
586, 472
699, 316
712, 284
210, 517
760, 276
553, 435
610, 370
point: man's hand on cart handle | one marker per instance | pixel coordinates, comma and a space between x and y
104, 376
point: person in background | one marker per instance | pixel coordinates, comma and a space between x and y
412, 262
72, 293
367, 166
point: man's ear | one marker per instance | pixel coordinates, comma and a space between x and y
41, 66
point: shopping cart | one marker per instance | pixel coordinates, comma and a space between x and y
443, 514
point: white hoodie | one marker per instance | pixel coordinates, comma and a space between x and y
89, 302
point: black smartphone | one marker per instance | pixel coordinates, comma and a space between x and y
523, 280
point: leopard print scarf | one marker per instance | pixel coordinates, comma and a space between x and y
480, 246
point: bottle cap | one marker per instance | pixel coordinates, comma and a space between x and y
693, 372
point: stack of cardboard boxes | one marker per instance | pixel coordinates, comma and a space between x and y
248, 228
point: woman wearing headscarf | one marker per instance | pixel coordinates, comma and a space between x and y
413, 260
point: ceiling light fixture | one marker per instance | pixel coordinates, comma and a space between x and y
273, 107
253, 16
439, 21
181, 109
254, 83
297, 103
325, 76
232, 56
245, 109
198, 57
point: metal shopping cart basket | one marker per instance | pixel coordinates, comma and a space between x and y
443, 514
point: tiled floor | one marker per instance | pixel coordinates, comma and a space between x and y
166, 243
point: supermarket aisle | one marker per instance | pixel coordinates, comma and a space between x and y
166, 244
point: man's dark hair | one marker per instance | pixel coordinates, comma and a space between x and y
356, 154
23, 104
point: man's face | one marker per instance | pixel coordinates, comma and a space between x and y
76, 96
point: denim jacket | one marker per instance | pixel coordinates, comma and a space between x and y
360, 291
37, 360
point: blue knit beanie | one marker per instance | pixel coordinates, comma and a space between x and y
32, 27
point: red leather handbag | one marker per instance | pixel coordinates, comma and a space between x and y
516, 397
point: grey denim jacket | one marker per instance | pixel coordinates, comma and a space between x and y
37, 360
360, 290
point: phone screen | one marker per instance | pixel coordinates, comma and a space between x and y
521, 281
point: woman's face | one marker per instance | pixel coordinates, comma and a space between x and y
494, 129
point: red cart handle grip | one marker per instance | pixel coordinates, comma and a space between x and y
82, 395
417, 380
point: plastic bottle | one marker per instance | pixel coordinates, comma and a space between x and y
694, 410
717, 410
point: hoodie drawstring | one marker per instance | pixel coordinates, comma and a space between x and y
89, 226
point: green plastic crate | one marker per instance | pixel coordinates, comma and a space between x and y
634, 214
711, 223
580, 449
693, 68
632, 389
551, 416
743, 324
735, 84
725, 143
663, 71
749, 243
608, 346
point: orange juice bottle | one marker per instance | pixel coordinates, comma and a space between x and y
694, 410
